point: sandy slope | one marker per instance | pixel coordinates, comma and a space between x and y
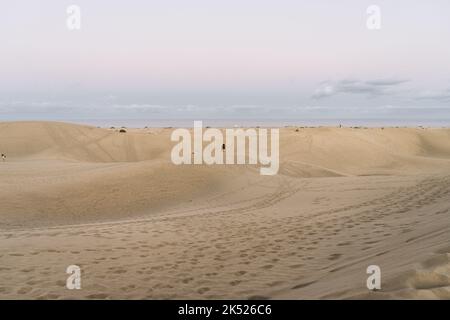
141, 227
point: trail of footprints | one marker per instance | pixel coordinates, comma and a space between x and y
221, 255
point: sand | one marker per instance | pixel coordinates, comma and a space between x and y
142, 228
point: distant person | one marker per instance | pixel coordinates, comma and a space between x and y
3, 157
223, 146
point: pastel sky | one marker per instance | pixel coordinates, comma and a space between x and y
225, 59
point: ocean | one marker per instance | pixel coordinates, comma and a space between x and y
229, 123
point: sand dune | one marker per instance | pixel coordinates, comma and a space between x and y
141, 227
63, 141
349, 150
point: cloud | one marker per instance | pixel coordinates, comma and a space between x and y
441, 96
371, 88
23, 107
386, 82
146, 108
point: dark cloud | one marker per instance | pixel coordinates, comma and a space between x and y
386, 82
371, 88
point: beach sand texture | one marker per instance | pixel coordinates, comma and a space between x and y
141, 227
